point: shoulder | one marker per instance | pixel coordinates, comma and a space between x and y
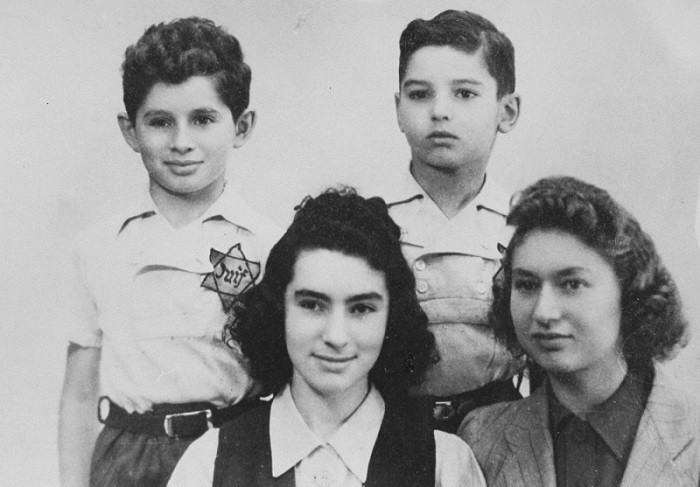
493, 198
455, 463
487, 425
102, 232
248, 426
196, 467
668, 400
398, 189
256, 226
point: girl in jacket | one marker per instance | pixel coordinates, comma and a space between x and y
584, 295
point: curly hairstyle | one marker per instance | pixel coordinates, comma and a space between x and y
175, 51
652, 324
467, 32
342, 221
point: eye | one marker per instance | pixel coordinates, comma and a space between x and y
524, 286
362, 308
158, 122
418, 94
464, 93
203, 120
572, 285
310, 304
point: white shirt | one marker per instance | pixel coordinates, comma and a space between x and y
146, 293
341, 461
454, 261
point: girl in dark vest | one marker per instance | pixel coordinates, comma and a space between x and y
335, 332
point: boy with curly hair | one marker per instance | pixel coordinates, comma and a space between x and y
155, 283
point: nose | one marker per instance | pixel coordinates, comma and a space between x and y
547, 308
440, 108
335, 333
181, 141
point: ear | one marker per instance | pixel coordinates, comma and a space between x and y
397, 101
129, 131
244, 127
510, 111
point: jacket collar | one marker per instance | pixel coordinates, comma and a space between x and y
663, 433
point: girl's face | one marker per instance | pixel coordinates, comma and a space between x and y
336, 310
565, 304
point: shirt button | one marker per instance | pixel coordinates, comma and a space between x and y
422, 286
419, 265
481, 287
323, 478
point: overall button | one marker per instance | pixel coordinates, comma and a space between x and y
323, 478
422, 286
419, 265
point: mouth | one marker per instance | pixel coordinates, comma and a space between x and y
441, 135
182, 163
334, 359
550, 340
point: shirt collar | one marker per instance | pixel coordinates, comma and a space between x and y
616, 420
229, 206
491, 196
291, 440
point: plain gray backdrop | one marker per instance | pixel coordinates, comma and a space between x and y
610, 89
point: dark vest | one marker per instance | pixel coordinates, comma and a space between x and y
403, 455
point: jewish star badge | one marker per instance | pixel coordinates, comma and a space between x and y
233, 274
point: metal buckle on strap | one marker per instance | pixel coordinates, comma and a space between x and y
103, 407
444, 410
168, 425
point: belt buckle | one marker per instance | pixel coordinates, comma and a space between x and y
103, 407
168, 425
444, 410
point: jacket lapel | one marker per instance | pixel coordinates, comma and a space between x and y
662, 434
532, 459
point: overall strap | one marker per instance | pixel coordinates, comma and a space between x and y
404, 453
243, 458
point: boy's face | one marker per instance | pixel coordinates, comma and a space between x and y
449, 110
185, 135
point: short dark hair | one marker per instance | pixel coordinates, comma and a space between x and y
175, 51
467, 32
342, 221
652, 323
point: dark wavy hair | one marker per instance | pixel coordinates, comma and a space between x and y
175, 51
652, 324
342, 221
467, 32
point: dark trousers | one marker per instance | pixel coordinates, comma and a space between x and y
123, 459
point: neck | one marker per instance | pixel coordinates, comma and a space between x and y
324, 414
181, 209
582, 391
450, 189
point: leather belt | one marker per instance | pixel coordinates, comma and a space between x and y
175, 420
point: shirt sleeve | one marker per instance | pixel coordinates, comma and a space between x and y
196, 467
455, 464
78, 304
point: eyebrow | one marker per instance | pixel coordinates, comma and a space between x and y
196, 112
308, 293
568, 271
461, 81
